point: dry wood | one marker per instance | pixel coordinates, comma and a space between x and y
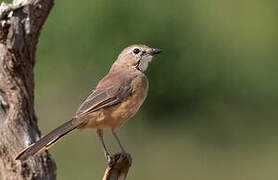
20, 25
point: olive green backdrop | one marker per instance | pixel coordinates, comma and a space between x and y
211, 112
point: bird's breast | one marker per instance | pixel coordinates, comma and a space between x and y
128, 108
116, 116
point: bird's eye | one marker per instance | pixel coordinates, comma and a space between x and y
136, 51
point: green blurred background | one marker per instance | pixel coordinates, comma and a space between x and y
211, 112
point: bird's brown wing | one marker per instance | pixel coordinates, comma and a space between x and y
104, 97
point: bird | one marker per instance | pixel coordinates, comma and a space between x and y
116, 98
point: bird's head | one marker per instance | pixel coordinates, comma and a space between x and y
135, 56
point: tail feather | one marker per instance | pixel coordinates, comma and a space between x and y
48, 141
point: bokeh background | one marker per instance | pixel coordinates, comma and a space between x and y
211, 112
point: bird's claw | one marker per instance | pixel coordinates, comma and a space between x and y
118, 158
110, 159
124, 156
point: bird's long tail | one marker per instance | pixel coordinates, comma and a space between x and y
49, 140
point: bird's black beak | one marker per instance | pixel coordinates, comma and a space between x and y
154, 51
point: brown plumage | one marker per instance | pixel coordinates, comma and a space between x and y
116, 98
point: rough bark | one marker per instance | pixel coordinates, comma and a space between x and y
20, 25
119, 170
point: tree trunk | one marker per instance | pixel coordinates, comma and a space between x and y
20, 25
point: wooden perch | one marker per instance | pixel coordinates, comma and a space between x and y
120, 167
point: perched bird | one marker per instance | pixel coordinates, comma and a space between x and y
116, 98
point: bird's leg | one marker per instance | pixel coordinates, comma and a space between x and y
114, 132
107, 154
123, 155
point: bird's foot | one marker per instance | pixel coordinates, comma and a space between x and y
126, 157
118, 158
123, 157
110, 159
